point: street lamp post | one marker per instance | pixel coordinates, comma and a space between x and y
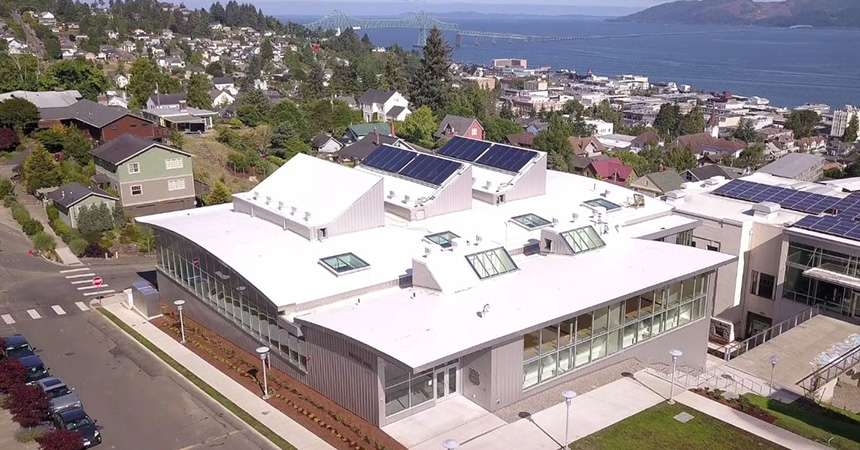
264, 354
675, 355
568, 399
179, 304
774, 359
450, 444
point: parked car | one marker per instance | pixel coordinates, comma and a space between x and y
15, 346
36, 370
78, 421
61, 396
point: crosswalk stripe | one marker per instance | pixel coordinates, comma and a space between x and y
8, 319
59, 310
81, 275
109, 291
75, 270
81, 282
92, 287
34, 314
82, 306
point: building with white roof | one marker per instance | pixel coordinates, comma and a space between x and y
415, 277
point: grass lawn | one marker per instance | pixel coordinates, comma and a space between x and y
815, 422
656, 429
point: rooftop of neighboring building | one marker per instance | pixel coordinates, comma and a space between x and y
612, 170
525, 139
665, 180
88, 112
45, 100
127, 146
793, 165
167, 99
704, 142
457, 124
712, 170
69, 194
375, 96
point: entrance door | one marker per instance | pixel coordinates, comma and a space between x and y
756, 324
445, 381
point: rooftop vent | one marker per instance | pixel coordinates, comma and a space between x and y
405, 199
256, 194
268, 199
307, 216
488, 184
293, 210
605, 193
713, 181
391, 194
765, 209
478, 239
280, 206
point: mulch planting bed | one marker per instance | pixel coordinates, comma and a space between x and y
741, 404
323, 417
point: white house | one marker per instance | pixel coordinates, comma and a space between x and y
221, 98
601, 128
121, 81
385, 105
324, 143
223, 83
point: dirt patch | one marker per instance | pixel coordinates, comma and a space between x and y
331, 422
741, 404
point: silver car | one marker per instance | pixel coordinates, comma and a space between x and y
61, 396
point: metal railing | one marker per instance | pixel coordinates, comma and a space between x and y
707, 377
826, 373
735, 349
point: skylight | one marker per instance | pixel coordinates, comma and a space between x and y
602, 203
491, 263
442, 239
531, 221
343, 264
583, 239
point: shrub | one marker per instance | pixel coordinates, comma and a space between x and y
33, 227
94, 250
20, 214
44, 242
28, 405
53, 214
25, 435
6, 187
78, 246
61, 440
12, 373
9, 200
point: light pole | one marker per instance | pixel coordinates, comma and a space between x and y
675, 355
774, 359
264, 353
179, 304
568, 399
450, 444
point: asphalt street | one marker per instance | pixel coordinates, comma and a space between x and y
139, 402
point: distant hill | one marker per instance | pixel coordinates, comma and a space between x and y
786, 13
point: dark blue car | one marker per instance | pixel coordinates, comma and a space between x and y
36, 370
78, 421
15, 346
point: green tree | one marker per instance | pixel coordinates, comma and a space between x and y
267, 52
680, 159
40, 170
555, 140
24, 72
219, 194
198, 91
287, 111
667, 121
19, 114
753, 157
342, 117
177, 139
315, 86
691, 123
44, 242
95, 220
80, 75
319, 115
282, 133
496, 128
394, 76
419, 127
291, 148
803, 122
745, 131
573, 107
639, 163
851, 130
215, 69
434, 80
143, 77
250, 115
77, 146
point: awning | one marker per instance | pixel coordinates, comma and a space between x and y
838, 279
185, 118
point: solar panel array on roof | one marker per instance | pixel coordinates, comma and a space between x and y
426, 168
498, 156
845, 223
792, 199
464, 149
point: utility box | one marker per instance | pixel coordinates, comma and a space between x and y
145, 300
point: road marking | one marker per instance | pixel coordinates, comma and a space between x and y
75, 270
82, 306
92, 287
81, 275
59, 310
8, 319
34, 314
109, 291
81, 282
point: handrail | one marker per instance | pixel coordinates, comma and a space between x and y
733, 349
845, 361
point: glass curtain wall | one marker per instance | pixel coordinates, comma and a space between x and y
404, 390
228, 294
579, 341
810, 291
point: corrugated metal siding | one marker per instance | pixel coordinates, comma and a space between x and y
484, 197
344, 372
368, 212
455, 197
530, 184
476, 377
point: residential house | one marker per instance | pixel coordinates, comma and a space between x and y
601, 127
771, 134
657, 184
45, 100
121, 81
221, 99
712, 170
586, 146
324, 143
150, 177
354, 133
459, 126
165, 101
797, 166
170, 62
223, 83
813, 144
524, 139
47, 19
703, 144
358, 151
376, 104
101, 123
182, 117
611, 170
645, 139
70, 198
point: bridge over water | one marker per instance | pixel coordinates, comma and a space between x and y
423, 22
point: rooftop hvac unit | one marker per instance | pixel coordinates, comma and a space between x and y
606, 193
427, 251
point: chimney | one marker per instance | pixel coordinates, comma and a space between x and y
376, 137
393, 134
183, 105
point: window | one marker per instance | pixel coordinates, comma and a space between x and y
442, 239
601, 202
713, 248
491, 263
176, 185
173, 163
474, 131
762, 285
583, 239
531, 221
136, 189
345, 263
133, 168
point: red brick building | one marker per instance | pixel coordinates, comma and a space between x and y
101, 123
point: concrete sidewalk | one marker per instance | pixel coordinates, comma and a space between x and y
8, 428
37, 211
269, 416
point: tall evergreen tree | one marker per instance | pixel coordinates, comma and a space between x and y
40, 171
315, 87
555, 141
850, 135
219, 194
142, 81
267, 52
435, 80
198, 91
691, 123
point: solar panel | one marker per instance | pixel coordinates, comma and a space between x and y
801, 201
430, 169
389, 159
506, 157
464, 149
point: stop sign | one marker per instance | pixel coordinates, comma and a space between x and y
97, 281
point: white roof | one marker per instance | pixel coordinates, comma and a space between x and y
49, 99
847, 184
543, 291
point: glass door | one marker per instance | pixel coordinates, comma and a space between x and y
445, 381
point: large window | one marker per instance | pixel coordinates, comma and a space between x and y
578, 341
762, 284
444, 239
531, 221
583, 239
404, 390
491, 262
173, 163
810, 291
345, 263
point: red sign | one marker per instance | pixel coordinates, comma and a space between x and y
97, 281
195, 261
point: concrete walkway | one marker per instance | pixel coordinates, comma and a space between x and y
37, 211
269, 416
8, 428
